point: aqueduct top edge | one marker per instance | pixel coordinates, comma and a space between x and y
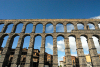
49, 19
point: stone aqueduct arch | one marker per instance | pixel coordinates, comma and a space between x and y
77, 33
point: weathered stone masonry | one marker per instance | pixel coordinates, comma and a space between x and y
77, 33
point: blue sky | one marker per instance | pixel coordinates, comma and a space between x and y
49, 9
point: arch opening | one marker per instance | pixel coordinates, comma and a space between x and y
3, 41
96, 43
36, 51
26, 42
9, 28
84, 45
1, 26
29, 28
80, 26
15, 42
25, 46
39, 28
59, 27
86, 50
72, 44
49, 51
73, 51
49, 28
99, 25
91, 26
60, 49
19, 28
70, 27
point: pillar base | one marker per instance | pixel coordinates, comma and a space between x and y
13, 65
55, 65
68, 66
28, 65
95, 66
1, 64
83, 65
41, 65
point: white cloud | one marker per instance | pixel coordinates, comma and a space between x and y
49, 28
60, 28
84, 43
50, 46
96, 17
72, 44
80, 26
47, 50
96, 43
60, 59
99, 25
91, 26
61, 45
70, 27
74, 54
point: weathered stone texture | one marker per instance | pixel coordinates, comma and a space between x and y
77, 33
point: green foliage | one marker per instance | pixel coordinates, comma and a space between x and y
60, 66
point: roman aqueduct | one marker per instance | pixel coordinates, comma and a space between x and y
76, 33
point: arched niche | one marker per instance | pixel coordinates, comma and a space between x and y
59, 27
80, 26
70, 27
1, 26
9, 28
19, 27
29, 28
49, 28
39, 28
